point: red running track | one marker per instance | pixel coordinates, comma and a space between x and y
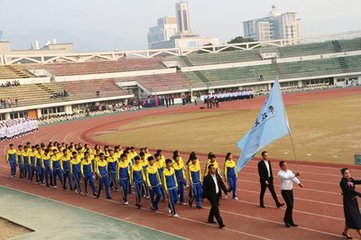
318, 207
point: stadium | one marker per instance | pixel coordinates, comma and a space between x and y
160, 99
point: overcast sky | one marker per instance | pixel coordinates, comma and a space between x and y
100, 25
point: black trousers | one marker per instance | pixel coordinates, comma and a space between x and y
288, 197
271, 189
214, 212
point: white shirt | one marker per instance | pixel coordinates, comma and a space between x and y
267, 166
214, 176
286, 179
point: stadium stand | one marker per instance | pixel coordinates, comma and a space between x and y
87, 89
161, 82
122, 65
14, 71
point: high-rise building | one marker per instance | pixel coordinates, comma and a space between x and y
183, 21
165, 29
274, 26
175, 32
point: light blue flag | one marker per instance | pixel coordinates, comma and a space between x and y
270, 125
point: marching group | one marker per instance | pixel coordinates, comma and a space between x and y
152, 176
14, 128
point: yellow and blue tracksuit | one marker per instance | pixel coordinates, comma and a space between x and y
160, 165
75, 168
39, 168
195, 177
11, 158
66, 169
32, 157
181, 178
47, 166
26, 161
145, 189
137, 177
123, 174
130, 162
154, 183
87, 171
170, 185
55, 159
19, 158
112, 170
231, 175
215, 163
101, 169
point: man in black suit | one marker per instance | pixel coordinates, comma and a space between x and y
212, 186
266, 180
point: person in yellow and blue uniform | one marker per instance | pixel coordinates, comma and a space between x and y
171, 187
230, 174
26, 161
47, 167
123, 175
178, 166
88, 174
137, 177
112, 169
19, 158
101, 167
144, 163
195, 179
160, 165
66, 169
39, 166
32, 157
11, 158
57, 173
154, 183
75, 168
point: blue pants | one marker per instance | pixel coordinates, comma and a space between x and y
155, 199
27, 171
104, 180
48, 173
21, 170
113, 179
138, 191
32, 171
39, 174
181, 185
77, 176
57, 173
12, 168
88, 177
233, 185
67, 175
145, 189
124, 184
173, 198
197, 193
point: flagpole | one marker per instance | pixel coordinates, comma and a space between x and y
293, 147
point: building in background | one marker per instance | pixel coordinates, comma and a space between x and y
175, 32
274, 26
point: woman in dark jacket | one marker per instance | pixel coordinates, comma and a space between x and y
350, 204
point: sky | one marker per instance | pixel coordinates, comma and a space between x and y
107, 25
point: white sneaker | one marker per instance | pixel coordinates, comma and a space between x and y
55, 187
235, 198
175, 215
226, 197
126, 203
170, 211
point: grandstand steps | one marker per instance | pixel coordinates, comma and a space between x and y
202, 77
343, 64
186, 61
336, 46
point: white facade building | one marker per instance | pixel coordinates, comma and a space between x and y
165, 29
275, 26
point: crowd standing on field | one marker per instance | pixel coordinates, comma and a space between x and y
14, 128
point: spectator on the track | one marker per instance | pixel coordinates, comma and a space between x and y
350, 204
287, 177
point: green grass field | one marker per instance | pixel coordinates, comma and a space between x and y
323, 131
